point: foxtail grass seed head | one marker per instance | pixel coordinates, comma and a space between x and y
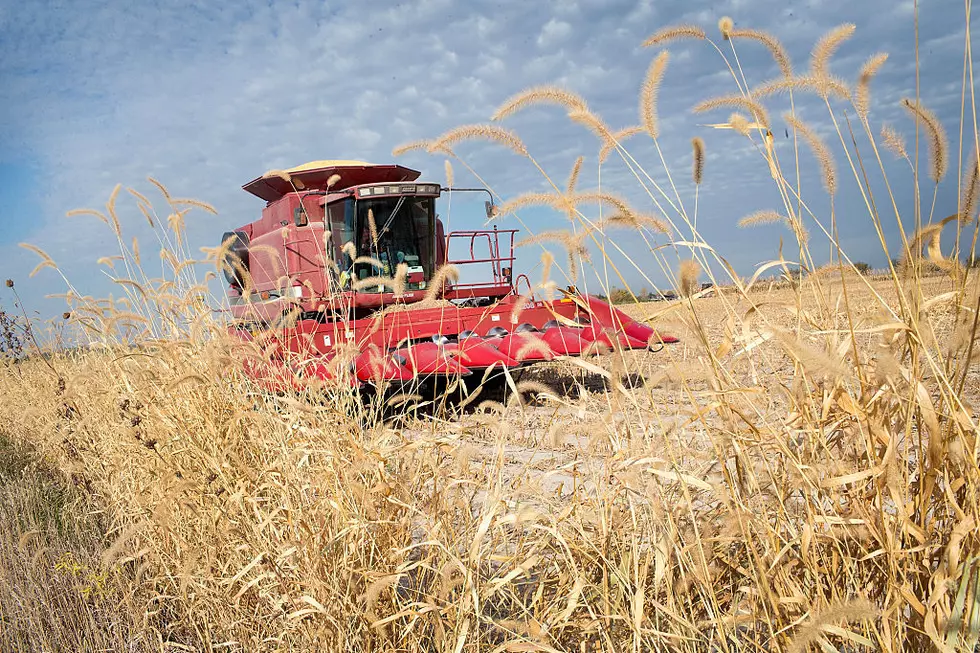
761, 217
969, 190
740, 123
573, 176
688, 272
675, 33
862, 97
593, 122
449, 174
540, 95
893, 141
824, 86
726, 25
648, 95
490, 133
938, 144
772, 43
697, 168
825, 48
411, 146
739, 102
616, 140
820, 150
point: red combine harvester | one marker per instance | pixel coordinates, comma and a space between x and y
335, 272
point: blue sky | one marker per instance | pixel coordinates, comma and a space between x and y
205, 97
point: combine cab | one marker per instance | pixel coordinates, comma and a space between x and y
338, 276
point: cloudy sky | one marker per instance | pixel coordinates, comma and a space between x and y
205, 97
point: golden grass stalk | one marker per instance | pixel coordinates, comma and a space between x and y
46, 261
824, 86
648, 95
862, 96
726, 26
554, 200
204, 206
490, 133
574, 245
674, 33
938, 145
634, 221
825, 48
826, 621
738, 101
772, 43
98, 214
449, 173
593, 122
687, 274
828, 169
281, 174
160, 187
762, 217
539, 95
969, 189
447, 274
409, 147
573, 175
616, 139
893, 141
372, 227
697, 164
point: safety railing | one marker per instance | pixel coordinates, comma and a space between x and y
500, 257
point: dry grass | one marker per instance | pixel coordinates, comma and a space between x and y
800, 472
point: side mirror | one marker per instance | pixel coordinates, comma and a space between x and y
491, 209
300, 219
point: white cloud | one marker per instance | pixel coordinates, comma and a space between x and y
553, 33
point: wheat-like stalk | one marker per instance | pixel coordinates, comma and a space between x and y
726, 26
204, 206
761, 217
446, 274
616, 139
77, 212
46, 261
634, 221
862, 96
490, 133
420, 144
697, 163
648, 95
688, 272
739, 101
593, 122
449, 174
970, 189
772, 43
674, 33
938, 145
825, 48
894, 141
539, 95
821, 152
573, 175
824, 86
